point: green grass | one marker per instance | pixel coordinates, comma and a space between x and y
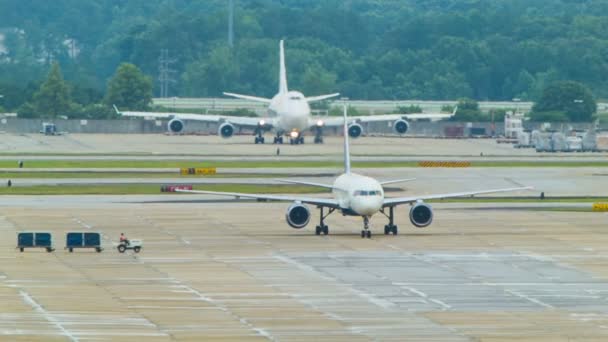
147, 189
521, 200
107, 175
272, 164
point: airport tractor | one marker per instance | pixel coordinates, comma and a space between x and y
134, 244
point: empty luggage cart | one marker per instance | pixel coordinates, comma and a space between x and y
83, 240
35, 240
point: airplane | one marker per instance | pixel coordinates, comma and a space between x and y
354, 195
288, 114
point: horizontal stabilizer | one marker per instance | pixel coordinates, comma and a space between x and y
321, 97
248, 97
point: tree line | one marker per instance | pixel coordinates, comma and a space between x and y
366, 49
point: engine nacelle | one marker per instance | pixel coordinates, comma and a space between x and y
401, 126
421, 215
297, 215
226, 130
175, 125
355, 130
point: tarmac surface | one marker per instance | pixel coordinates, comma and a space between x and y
239, 146
576, 181
235, 271
207, 274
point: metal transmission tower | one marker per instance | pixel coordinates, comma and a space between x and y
230, 23
165, 72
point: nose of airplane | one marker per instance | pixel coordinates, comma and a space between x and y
367, 206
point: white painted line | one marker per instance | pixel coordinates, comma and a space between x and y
530, 299
48, 316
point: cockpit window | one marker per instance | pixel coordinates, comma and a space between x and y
295, 98
367, 193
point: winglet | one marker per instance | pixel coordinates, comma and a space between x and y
282, 70
116, 110
346, 147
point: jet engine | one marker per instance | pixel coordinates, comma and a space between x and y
355, 130
401, 126
421, 215
297, 215
175, 125
226, 130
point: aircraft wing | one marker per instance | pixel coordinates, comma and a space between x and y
389, 202
338, 121
325, 202
235, 120
248, 97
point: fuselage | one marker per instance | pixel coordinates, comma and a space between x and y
291, 110
358, 195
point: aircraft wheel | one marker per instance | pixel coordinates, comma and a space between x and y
325, 230
362, 233
318, 230
368, 234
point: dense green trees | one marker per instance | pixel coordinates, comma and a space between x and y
565, 101
365, 49
129, 89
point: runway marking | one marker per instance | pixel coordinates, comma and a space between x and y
530, 299
425, 296
48, 316
367, 296
223, 308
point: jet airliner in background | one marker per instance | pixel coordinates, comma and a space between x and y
288, 115
354, 195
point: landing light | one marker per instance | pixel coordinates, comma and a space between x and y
294, 134
262, 122
320, 123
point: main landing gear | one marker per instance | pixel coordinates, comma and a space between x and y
390, 227
322, 228
366, 233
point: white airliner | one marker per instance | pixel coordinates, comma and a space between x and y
355, 195
288, 115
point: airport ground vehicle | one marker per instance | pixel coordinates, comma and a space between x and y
134, 244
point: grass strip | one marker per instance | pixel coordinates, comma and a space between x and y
151, 189
110, 175
563, 199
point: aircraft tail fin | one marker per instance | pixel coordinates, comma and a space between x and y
346, 147
282, 70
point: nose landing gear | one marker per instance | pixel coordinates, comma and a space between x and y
366, 233
318, 135
259, 138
